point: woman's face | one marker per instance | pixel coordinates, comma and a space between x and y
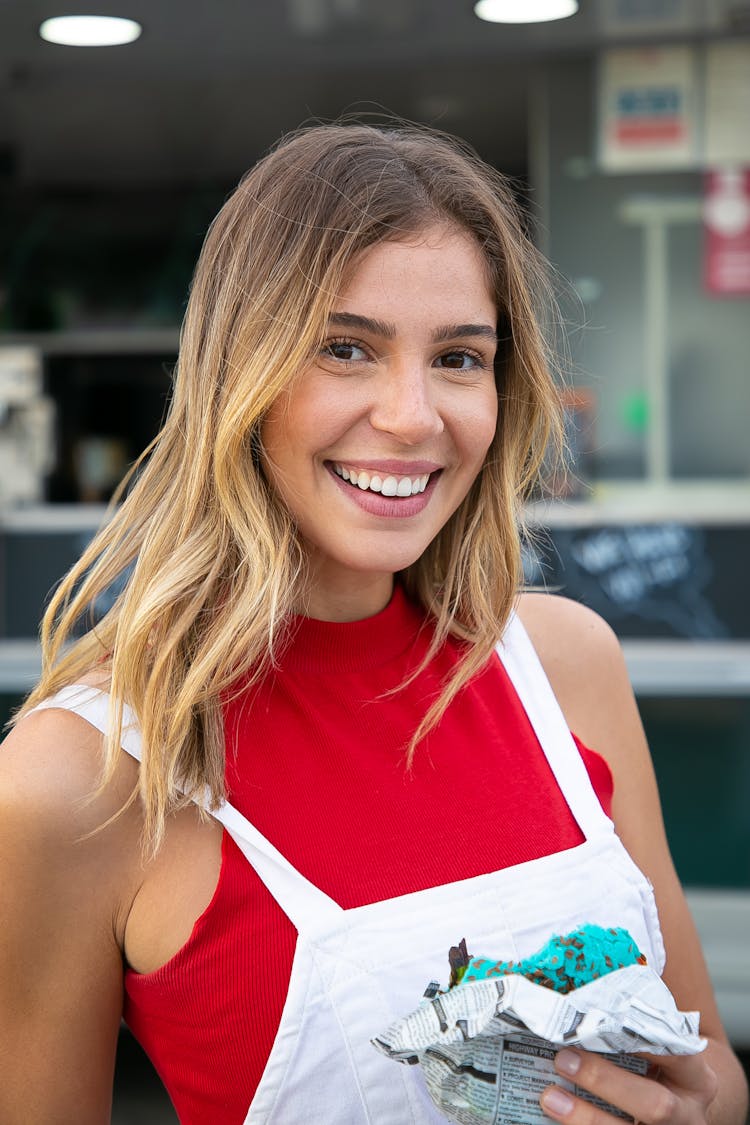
377, 442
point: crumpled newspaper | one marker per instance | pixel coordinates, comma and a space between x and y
487, 1047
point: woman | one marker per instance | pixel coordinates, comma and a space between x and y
324, 552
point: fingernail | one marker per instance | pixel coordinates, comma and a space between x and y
568, 1062
557, 1101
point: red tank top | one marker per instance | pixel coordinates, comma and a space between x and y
315, 760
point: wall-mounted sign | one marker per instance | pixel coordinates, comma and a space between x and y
726, 217
618, 18
647, 109
727, 104
650, 580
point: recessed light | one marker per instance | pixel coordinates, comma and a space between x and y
524, 11
89, 31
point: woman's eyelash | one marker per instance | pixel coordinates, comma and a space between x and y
477, 357
341, 342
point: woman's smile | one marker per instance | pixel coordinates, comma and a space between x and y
387, 491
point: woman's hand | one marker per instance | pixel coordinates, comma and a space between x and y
677, 1090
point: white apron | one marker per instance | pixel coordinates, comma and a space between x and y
356, 971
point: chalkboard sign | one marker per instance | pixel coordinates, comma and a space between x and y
651, 580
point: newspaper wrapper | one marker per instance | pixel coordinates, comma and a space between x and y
487, 1048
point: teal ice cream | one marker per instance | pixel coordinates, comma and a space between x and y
563, 963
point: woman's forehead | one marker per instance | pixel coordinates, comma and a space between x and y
430, 256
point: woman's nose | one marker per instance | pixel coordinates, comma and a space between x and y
404, 405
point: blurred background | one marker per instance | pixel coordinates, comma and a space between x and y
626, 130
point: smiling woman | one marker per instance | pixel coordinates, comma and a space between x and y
320, 733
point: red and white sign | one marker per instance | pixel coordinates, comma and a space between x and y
726, 217
647, 108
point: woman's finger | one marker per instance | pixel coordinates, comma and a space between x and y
643, 1098
689, 1073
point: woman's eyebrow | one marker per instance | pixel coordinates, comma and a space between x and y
363, 323
389, 331
451, 331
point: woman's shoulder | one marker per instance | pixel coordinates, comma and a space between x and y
51, 768
556, 623
583, 661
63, 826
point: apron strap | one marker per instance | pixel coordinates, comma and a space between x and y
524, 668
303, 903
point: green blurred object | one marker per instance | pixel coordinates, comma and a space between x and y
634, 409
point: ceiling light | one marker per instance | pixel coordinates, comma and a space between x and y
89, 31
524, 11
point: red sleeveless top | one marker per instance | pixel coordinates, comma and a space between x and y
315, 760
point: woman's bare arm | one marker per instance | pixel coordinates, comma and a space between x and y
585, 665
63, 906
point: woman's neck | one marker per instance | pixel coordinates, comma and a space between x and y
354, 598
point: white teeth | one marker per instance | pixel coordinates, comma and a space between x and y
387, 486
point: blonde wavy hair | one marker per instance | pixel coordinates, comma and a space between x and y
215, 566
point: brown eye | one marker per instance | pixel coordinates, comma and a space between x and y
459, 361
344, 350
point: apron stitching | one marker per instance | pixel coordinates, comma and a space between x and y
347, 1046
569, 856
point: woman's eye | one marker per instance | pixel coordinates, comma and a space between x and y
460, 361
344, 350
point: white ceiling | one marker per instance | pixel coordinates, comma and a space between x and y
212, 82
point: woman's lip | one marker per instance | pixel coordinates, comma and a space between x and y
388, 507
395, 468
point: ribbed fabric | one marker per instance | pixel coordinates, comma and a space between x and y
316, 762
